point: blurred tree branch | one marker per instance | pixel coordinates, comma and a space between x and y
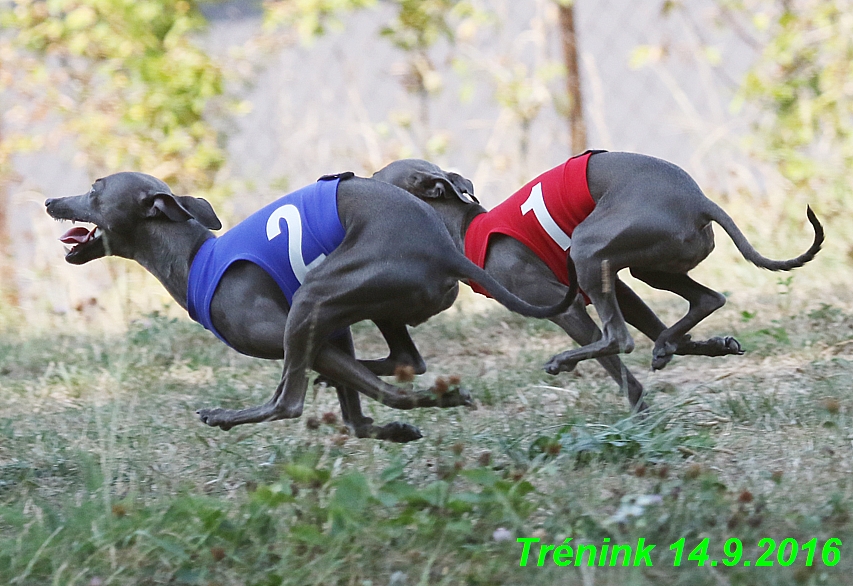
569, 37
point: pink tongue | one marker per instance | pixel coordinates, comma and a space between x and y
77, 235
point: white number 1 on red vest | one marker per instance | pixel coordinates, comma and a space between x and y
536, 202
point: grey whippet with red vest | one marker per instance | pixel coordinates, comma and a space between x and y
649, 216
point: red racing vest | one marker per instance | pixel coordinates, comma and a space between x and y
541, 215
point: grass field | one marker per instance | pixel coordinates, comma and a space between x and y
107, 477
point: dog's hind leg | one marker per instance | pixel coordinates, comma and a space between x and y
402, 351
640, 315
361, 425
703, 302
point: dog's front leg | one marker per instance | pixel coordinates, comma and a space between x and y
274, 409
596, 275
306, 330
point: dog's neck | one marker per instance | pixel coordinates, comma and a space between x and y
457, 217
170, 252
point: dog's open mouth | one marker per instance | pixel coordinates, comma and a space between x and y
87, 244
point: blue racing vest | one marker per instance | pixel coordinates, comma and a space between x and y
287, 239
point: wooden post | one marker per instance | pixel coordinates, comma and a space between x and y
577, 128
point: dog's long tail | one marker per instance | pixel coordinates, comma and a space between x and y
468, 270
717, 214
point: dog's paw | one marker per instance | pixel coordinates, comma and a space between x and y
455, 397
662, 354
720, 346
214, 418
397, 431
733, 346
557, 365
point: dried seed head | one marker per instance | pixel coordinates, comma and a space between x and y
484, 459
832, 405
440, 387
640, 470
693, 471
119, 510
404, 373
340, 439
745, 497
218, 553
312, 423
663, 471
454, 380
553, 448
457, 448
330, 418
776, 476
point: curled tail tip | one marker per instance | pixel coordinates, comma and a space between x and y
809, 255
818, 228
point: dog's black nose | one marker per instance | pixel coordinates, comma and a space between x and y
48, 201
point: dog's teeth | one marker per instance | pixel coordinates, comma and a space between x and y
98, 232
67, 249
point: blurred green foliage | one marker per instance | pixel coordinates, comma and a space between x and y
130, 84
801, 84
125, 79
310, 18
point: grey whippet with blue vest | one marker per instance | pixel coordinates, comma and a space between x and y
647, 215
394, 264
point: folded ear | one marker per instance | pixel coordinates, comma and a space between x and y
430, 185
184, 208
201, 210
463, 185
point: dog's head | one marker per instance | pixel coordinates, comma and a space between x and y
427, 181
119, 206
